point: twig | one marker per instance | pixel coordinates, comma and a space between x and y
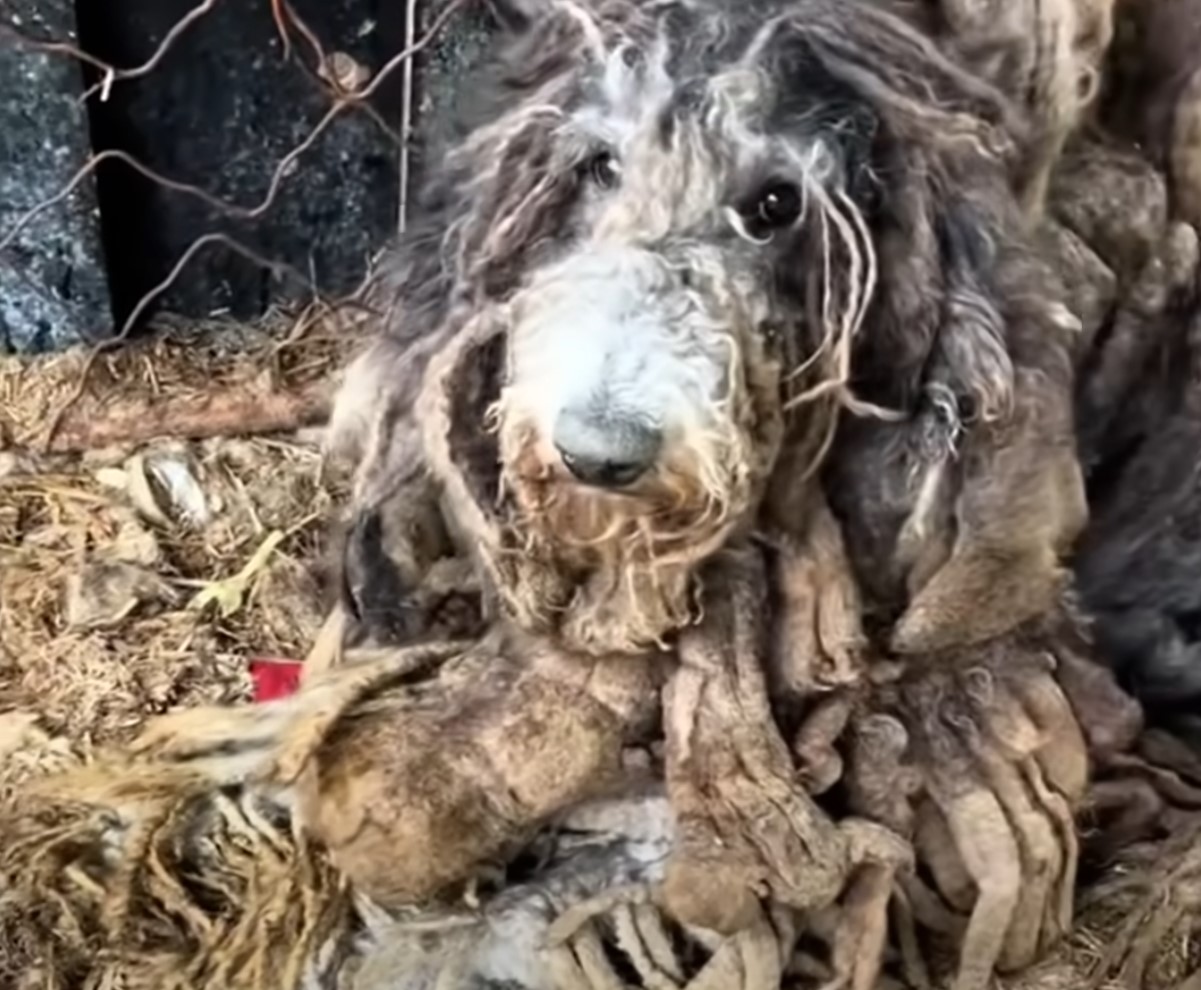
113, 75
110, 74
281, 27
416, 48
277, 267
234, 412
406, 117
54, 48
282, 13
230, 594
340, 105
287, 13
331, 85
232, 209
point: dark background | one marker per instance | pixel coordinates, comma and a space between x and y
218, 112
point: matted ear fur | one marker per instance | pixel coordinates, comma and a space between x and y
960, 505
935, 129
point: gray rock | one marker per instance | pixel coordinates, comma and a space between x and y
53, 291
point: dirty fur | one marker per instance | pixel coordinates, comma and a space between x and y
1138, 563
894, 420
1137, 380
1003, 768
905, 262
1153, 93
1046, 55
228, 846
848, 543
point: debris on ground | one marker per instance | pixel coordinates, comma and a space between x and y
142, 577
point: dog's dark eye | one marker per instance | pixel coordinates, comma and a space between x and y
778, 205
602, 169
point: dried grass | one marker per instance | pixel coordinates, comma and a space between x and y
102, 555
180, 361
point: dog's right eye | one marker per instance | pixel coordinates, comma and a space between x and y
777, 205
603, 170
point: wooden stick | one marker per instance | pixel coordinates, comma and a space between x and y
227, 413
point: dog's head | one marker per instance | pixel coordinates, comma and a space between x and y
646, 272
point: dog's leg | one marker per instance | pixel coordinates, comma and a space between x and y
395, 531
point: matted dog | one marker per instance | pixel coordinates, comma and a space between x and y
679, 241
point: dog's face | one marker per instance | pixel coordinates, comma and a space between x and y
672, 228
705, 233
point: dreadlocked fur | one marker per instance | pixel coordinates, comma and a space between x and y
1045, 54
956, 517
1153, 93
1137, 564
717, 227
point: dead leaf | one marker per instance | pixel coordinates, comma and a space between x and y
230, 594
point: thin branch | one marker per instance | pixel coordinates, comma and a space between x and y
232, 209
213, 414
113, 75
406, 118
330, 85
276, 267
284, 16
416, 48
54, 48
288, 14
281, 27
110, 73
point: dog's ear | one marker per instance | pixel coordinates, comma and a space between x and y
506, 180
863, 69
530, 182
907, 126
499, 192
501, 182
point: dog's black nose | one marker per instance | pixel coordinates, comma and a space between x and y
605, 450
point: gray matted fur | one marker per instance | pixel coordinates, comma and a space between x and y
678, 239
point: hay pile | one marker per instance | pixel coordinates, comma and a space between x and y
142, 578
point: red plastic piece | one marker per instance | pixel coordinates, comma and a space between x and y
274, 677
